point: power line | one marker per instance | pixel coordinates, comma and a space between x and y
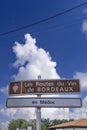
61, 26
43, 20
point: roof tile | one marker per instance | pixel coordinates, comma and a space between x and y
76, 123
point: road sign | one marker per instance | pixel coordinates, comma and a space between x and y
44, 87
44, 102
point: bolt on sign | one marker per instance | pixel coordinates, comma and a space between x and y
44, 87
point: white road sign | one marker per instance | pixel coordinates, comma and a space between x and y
44, 102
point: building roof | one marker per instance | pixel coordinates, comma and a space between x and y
76, 123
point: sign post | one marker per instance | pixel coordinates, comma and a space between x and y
38, 112
43, 87
38, 118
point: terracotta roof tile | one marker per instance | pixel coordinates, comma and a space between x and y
76, 123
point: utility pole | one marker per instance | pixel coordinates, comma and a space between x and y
38, 113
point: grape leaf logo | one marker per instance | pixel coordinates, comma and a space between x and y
15, 88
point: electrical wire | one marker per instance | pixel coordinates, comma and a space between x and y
61, 26
43, 20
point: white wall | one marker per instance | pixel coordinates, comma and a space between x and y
80, 128
72, 129
68, 128
65, 129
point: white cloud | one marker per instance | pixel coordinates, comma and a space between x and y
80, 112
83, 79
33, 61
85, 10
4, 90
4, 125
18, 113
55, 113
84, 27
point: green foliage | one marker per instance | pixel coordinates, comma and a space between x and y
20, 123
0, 128
43, 126
57, 121
45, 123
33, 122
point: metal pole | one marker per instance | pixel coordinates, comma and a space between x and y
38, 113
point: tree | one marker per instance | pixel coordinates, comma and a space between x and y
13, 125
33, 122
43, 126
20, 123
46, 122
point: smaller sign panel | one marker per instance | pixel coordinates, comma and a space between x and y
44, 87
15, 88
44, 102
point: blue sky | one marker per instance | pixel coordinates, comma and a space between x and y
64, 37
